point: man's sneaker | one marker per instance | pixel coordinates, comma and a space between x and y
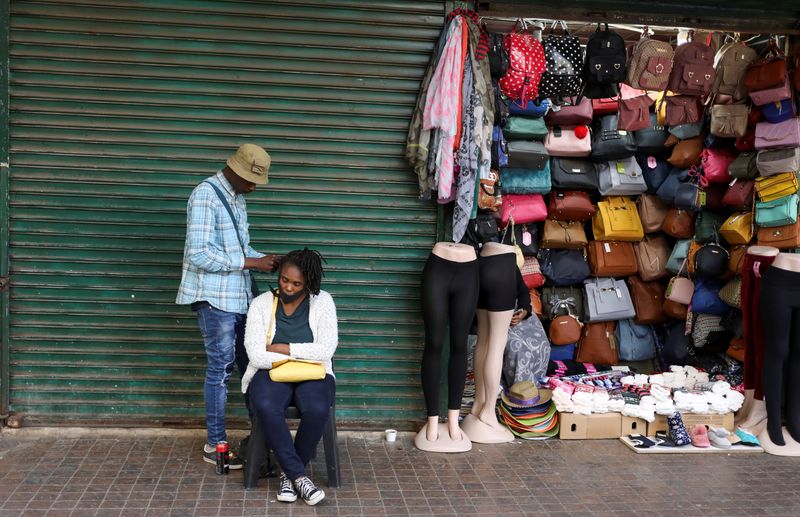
210, 456
286, 491
308, 490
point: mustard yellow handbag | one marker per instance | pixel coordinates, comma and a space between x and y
617, 219
738, 228
292, 370
773, 187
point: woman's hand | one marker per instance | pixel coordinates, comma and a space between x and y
518, 316
279, 348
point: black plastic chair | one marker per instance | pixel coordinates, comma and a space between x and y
257, 450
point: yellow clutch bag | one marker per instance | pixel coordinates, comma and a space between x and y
296, 370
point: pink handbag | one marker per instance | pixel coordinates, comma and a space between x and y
680, 289
523, 208
777, 94
715, 162
571, 114
782, 134
564, 141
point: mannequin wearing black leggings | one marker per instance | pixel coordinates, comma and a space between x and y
449, 295
780, 378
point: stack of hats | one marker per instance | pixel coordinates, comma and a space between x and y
528, 411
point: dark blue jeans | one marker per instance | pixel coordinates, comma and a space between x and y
270, 400
223, 334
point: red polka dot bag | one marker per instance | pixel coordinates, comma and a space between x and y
526, 66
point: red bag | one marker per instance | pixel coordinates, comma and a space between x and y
525, 68
634, 113
739, 195
531, 273
523, 208
746, 142
692, 69
715, 163
605, 106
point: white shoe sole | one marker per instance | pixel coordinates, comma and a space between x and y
317, 498
285, 498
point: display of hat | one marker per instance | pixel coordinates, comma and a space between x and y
528, 412
543, 397
251, 162
524, 390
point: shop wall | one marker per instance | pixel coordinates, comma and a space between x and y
119, 108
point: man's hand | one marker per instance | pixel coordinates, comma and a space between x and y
265, 264
518, 316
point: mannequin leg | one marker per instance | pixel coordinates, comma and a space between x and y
479, 360
493, 365
776, 313
435, 308
793, 379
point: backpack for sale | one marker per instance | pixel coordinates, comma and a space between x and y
650, 64
498, 57
692, 69
526, 66
564, 64
605, 64
730, 64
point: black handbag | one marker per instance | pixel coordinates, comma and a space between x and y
526, 236
563, 266
733, 322
651, 139
498, 57
677, 348
481, 230
501, 112
560, 300
527, 154
670, 185
574, 174
654, 169
711, 261
687, 196
610, 143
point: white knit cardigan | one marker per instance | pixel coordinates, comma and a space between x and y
324, 328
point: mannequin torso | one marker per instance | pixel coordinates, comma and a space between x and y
495, 248
454, 252
763, 251
787, 261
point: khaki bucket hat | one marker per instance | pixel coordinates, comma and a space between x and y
251, 162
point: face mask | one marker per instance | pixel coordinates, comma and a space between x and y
287, 298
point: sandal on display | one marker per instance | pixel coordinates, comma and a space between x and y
700, 436
640, 441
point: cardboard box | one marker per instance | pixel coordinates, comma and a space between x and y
594, 427
631, 425
659, 424
692, 419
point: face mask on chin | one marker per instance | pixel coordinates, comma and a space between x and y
287, 298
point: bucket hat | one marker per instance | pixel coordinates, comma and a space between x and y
250, 162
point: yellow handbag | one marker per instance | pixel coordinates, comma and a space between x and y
292, 370
617, 219
738, 228
777, 186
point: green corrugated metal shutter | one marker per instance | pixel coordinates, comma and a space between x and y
119, 108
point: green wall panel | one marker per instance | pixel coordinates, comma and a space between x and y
119, 108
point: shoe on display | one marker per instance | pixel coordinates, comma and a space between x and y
700, 436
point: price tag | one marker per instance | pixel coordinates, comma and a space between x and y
702, 198
651, 162
619, 293
621, 167
732, 183
607, 247
527, 239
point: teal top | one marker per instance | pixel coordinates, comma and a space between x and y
294, 328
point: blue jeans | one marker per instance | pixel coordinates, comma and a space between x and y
312, 398
223, 334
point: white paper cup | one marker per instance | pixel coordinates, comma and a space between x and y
391, 435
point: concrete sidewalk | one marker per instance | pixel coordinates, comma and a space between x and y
56, 472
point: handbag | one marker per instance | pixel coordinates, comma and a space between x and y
525, 181
707, 225
572, 205
748, 141
611, 258
731, 62
563, 235
738, 228
688, 194
562, 353
711, 261
536, 108
675, 310
481, 230
572, 173
489, 197
617, 219
744, 166
569, 141
562, 300
677, 348
683, 109
706, 300
666, 191
621, 178
565, 330
776, 161
611, 143
679, 254
634, 113
772, 95
731, 292
536, 302
525, 128
768, 71
712, 195
679, 224
679, 289
648, 297
777, 186
499, 151
608, 299
650, 64
694, 247
686, 153
782, 134
526, 64
779, 111
736, 262
655, 171
736, 349
739, 195
635, 341
525, 208
531, 273
571, 113
563, 266
715, 165
652, 212
605, 106
778, 212
651, 139
598, 344
781, 237
525, 236
686, 131
729, 120
703, 326
652, 255
498, 56
296, 370
527, 154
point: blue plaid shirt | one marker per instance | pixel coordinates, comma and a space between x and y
213, 262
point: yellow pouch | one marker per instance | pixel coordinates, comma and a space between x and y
777, 186
738, 228
296, 370
617, 219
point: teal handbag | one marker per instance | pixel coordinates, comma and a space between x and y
526, 181
707, 225
678, 255
778, 212
525, 128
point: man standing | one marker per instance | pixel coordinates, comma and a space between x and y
217, 259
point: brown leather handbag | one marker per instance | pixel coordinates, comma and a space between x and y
736, 260
652, 211
536, 302
652, 254
687, 152
694, 247
679, 224
573, 205
634, 113
565, 330
736, 349
611, 258
598, 344
563, 235
739, 195
768, 71
675, 310
648, 297
781, 237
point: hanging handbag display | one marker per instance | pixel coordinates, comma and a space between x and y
650, 64
706, 300
525, 236
775, 112
711, 261
782, 134
563, 266
654, 170
525, 181
776, 161
715, 164
608, 299
573, 173
738, 228
679, 253
489, 197
731, 292
605, 65
729, 120
536, 108
739, 195
531, 273
652, 138
569, 141
768, 71
536, 302
617, 219
675, 310
611, 143
525, 128
736, 262
647, 297
498, 57
564, 330
634, 113
571, 113
572, 205
731, 62
772, 95
666, 191
686, 131
683, 109
781, 237
688, 194
694, 247
686, 153
693, 69
525, 208
621, 178
562, 300
680, 289
611, 258
652, 254
564, 57
744, 166
636, 342
778, 212
598, 344
499, 148
652, 212
777, 186
527, 154
526, 64
563, 235
707, 225
679, 224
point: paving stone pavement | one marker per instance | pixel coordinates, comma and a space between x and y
138, 474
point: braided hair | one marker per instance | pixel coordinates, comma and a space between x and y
309, 262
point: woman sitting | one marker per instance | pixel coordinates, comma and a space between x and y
304, 327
